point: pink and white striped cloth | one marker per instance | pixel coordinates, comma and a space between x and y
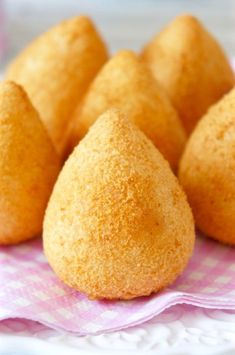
30, 290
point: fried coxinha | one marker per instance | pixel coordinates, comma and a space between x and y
191, 65
29, 166
125, 83
56, 69
207, 171
118, 224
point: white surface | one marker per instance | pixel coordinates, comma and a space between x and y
197, 331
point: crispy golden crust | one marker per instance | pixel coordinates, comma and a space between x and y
207, 171
56, 70
28, 166
118, 224
191, 66
127, 84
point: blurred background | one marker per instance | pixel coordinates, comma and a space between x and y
123, 23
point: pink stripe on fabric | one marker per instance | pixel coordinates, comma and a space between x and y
30, 290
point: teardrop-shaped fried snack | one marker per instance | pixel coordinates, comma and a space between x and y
191, 65
118, 225
56, 70
29, 166
125, 83
207, 171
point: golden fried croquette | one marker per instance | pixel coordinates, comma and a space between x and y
28, 166
125, 83
207, 171
118, 225
56, 70
190, 64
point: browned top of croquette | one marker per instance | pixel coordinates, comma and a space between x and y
207, 170
125, 83
28, 166
56, 69
118, 224
191, 65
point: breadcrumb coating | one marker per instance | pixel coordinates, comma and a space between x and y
29, 166
118, 224
125, 83
191, 65
56, 69
207, 171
